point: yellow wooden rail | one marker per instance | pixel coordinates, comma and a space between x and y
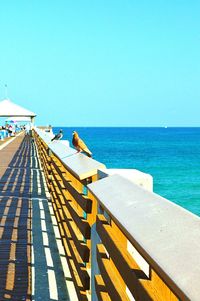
116, 275
73, 211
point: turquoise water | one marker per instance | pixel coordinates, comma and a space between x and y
170, 155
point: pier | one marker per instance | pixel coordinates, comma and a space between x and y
73, 230
30, 262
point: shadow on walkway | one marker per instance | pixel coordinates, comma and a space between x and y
30, 264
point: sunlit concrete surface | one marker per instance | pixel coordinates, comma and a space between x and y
136, 176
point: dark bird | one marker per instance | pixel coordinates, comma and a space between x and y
80, 145
58, 136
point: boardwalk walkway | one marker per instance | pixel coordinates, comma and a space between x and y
30, 245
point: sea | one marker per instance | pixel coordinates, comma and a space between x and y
170, 154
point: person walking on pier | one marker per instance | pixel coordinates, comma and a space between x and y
27, 129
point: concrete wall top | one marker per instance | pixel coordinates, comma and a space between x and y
79, 164
167, 235
136, 176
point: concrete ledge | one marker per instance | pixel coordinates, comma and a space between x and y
140, 178
79, 164
165, 234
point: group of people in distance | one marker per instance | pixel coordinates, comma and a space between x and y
77, 142
11, 129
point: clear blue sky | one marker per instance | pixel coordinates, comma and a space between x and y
103, 63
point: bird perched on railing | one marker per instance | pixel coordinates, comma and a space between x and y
80, 145
58, 136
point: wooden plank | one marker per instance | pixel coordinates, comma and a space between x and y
77, 267
113, 284
80, 245
100, 288
84, 202
15, 234
82, 224
79, 220
139, 285
79, 264
157, 289
58, 168
124, 262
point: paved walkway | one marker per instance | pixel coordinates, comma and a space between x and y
30, 263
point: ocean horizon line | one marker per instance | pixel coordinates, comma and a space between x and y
90, 126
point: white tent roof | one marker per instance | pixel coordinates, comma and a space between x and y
14, 118
10, 109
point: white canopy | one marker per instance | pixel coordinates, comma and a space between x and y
10, 109
14, 118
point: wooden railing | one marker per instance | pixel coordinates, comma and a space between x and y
121, 242
74, 210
